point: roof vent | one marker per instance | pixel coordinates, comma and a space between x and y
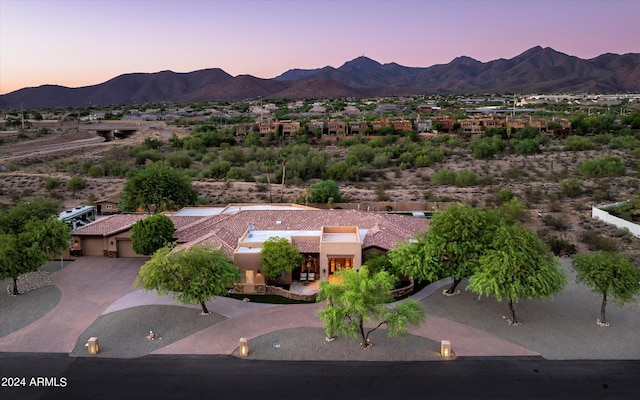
278, 222
251, 227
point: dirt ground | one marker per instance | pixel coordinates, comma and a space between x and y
25, 165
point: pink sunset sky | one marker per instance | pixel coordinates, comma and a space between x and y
85, 42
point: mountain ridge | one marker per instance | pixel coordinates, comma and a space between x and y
538, 69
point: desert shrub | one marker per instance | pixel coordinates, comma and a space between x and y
466, 178
505, 195
151, 155
96, 171
151, 143
239, 174
603, 166
571, 187
558, 245
486, 147
218, 169
578, 143
180, 160
556, 223
514, 209
526, 146
444, 176
52, 183
381, 161
76, 183
623, 142
596, 242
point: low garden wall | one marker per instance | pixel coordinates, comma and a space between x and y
598, 212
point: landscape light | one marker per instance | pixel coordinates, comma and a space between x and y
244, 347
445, 348
93, 345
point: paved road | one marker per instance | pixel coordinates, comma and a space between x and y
224, 377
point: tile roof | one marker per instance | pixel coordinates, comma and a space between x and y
109, 225
223, 231
121, 222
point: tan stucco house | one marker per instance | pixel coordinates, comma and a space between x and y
327, 239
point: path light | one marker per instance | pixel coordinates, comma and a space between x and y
92, 344
244, 347
445, 348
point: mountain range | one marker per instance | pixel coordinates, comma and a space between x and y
537, 70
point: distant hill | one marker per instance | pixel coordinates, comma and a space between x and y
537, 70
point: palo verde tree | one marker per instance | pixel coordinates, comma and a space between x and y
194, 275
278, 256
517, 265
159, 185
30, 235
609, 274
360, 297
151, 233
452, 246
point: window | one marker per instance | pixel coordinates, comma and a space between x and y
108, 206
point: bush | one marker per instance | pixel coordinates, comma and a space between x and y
466, 178
557, 224
505, 195
180, 160
603, 166
571, 187
578, 143
96, 171
239, 174
596, 242
76, 183
560, 246
487, 147
52, 183
444, 176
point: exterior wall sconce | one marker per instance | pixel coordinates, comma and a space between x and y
92, 344
244, 347
445, 348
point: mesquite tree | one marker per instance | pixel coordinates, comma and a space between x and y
608, 273
359, 297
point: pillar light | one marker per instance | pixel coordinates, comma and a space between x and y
93, 345
244, 347
445, 348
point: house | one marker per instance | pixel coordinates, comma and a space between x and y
245, 129
401, 124
289, 128
358, 127
328, 239
445, 122
470, 126
336, 128
107, 206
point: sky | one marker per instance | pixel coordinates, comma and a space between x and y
85, 42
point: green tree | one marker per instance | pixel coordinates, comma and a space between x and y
194, 275
518, 265
325, 190
278, 256
30, 235
360, 297
452, 246
151, 233
160, 185
610, 274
